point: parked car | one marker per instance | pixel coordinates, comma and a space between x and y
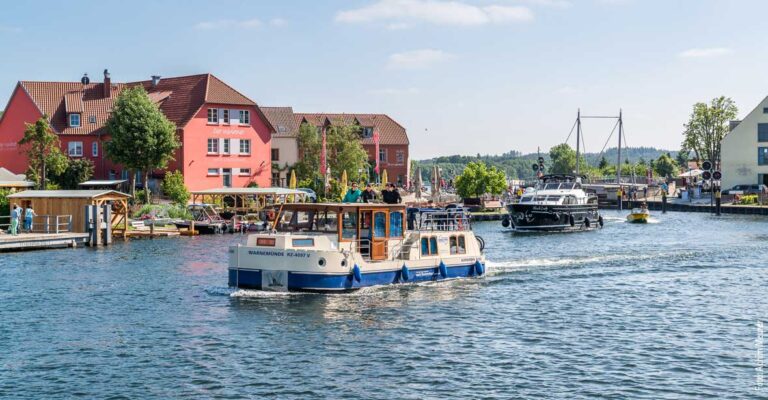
747, 189
311, 195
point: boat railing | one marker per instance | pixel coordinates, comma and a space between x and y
444, 220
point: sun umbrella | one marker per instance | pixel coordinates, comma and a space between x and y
418, 183
343, 183
292, 184
384, 177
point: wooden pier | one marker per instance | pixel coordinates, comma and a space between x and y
35, 241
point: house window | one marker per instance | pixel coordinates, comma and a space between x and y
765, 110
74, 120
225, 115
762, 156
92, 119
245, 171
275, 154
75, 149
112, 174
245, 146
213, 171
245, 117
282, 128
213, 146
213, 116
225, 146
400, 156
762, 132
383, 155
95, 149
367, 132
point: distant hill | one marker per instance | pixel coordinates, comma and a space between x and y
519, 166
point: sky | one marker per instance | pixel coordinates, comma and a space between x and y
463, 76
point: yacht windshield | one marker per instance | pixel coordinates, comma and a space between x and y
567, 186
551, 186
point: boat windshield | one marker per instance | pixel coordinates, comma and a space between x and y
567, 185
551, 186
308, 221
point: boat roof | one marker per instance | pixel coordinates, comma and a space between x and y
107, 182
340, 206
560, 177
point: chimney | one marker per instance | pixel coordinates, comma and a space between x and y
107, 84
155, 80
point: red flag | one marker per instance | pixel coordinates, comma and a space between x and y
323, 167
378, 157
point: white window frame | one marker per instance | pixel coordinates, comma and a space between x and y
215, 143
213, 172
95, 149
400, 156
386, 155
245, 171
213, 116
72, 124
73, 147
245, 117
225, 116
245, 143
226, 147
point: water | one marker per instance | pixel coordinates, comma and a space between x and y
660, 311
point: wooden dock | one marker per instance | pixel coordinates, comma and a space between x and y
36, 241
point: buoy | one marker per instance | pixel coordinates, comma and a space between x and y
404, 273
586, 222
505, 222
481, 242
479, 269
571, 220
356, 273
443, 270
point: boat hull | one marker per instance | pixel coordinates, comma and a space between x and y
637, 218
553, 218
279, 280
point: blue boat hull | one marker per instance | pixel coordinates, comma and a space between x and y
251, 279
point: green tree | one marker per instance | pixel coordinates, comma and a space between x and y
603, 163
682, 158
174, 188
43, 151
478, 179
345, 152
707, 126
77, 171
141, 137
309, 143
563, 159
665, 166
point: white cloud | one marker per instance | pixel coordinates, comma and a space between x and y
705, 52
417, 59
436, 12
229, 23
277, 21
396, 92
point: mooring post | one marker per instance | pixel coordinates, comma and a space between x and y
152, 230
663, 201
717, 202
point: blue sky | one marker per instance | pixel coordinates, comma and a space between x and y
463, 76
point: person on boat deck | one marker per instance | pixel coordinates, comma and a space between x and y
15, 215
29, 213
369, 195
353, 194
391, 195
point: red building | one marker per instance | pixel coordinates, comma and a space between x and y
393, 140
225, 136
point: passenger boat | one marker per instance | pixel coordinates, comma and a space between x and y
206, 219
557, 203
331, 247
639, 215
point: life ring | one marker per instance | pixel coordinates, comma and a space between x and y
481, 242
270, 215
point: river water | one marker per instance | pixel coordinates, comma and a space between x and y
666, 310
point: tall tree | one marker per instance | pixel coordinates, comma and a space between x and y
665, 166
477, 179
603, 163
563, 159
77, 171
43, 151
309, 143
141, 137
345, 152
707, 126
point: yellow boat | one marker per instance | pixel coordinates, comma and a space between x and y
638, 216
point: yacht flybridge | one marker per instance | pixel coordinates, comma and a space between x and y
347, 246
557, 203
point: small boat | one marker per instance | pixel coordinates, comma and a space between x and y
206, 219
639, 215
557, 204
333, 247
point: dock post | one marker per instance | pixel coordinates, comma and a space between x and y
717, 202
663, 202
152, 230
191, 227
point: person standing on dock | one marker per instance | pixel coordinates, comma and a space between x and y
29, 213
15, 214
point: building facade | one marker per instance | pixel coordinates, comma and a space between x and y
285, 150
225, 137
744, 150
393, 140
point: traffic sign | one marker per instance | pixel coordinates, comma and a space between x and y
717, 175
535, 167
706, 166
706, 175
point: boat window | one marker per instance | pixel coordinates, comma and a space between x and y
326, 221
349, 225
551, 186
462, 245
433, 245
379, 224
308, 242
577, 185
396, 224
425, 246
454, 247
541, 198
458, 245
553, 198
526, 199
265, 242
566, 186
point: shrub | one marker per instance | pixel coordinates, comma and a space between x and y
173, 187
748, 199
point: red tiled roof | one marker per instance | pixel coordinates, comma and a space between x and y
283, 120
390, 132
179, 98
